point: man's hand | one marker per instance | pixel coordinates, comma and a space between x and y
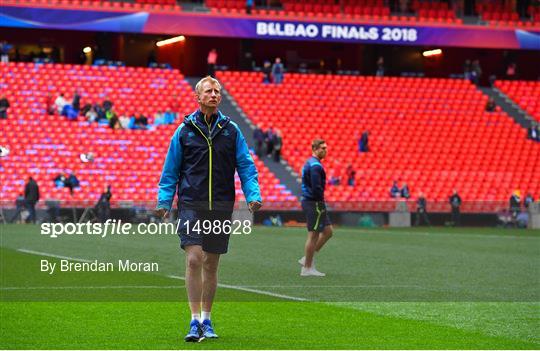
161, 213
254, 206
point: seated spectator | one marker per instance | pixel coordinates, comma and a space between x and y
70, 112
334, 179
60, 103
114, 121
351, 173
101, 114
71, 183
141, 122
4, 105
49, 104
159, 118
395, 192
363, 142
125, 122
91, 115
87, 157
107, 104
169, 116
490, 106
59, 181
76, 102
4, 151
405, 193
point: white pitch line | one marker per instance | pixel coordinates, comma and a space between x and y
235, 287
91, 287
53, 255
255, 291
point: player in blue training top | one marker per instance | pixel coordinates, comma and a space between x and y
318, 224
204, 152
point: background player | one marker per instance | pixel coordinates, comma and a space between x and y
318, 224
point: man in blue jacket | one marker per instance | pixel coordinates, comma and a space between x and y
318, 223
203, 155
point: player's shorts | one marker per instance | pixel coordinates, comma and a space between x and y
316, 215
207, 229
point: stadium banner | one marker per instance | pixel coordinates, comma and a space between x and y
257, 28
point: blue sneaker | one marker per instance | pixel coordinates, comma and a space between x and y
195, 332
208, 331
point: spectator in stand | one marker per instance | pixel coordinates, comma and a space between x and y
421, 210
125, 122
258, 137
476, 72
467, 68
60, 103
351, 173
363, 142
4, 105
76, 103
91, 115
405, 193
380, 67
211, 62
169, 116
529, 199
49, 104
101, 114
141, 122
515, 204
267, 72
511, 73
103, 206
455, 203
278, 71
278, 144
19, 208
4, 51
114, 121
269, 142
395, 192
71, 182
533, 132
490, 105
107, 104
334, 179
249, 6
31, 198
158, 117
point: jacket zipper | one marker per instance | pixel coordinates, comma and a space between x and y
209, 142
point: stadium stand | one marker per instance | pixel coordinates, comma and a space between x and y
525, 93
45, 145
350, 10
433, 134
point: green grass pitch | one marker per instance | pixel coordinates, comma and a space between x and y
426, 288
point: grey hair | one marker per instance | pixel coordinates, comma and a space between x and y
199, 84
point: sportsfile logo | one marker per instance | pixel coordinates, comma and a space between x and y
117, 227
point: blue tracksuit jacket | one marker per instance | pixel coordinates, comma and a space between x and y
201, 162
313, 180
